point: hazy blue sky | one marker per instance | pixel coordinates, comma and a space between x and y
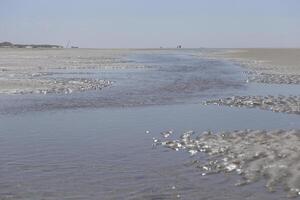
152, 23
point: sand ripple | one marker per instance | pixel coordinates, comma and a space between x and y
253, 154
63, 86
285, 104
273, 78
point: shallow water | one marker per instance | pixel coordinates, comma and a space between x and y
106, 153
167, 77
93, 145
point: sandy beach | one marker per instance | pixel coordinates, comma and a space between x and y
254, 149
33, 71
86, 118
40, 71
150, 100
279, 61
266, 66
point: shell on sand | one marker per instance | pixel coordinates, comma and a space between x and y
285, 104
253, 154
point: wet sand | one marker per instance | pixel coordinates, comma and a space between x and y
96, 143
267, 66
285, 104
277, 66
278, 61
39, 71
35, 80
252, 154
259, 154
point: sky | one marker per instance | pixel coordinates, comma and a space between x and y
152, 23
